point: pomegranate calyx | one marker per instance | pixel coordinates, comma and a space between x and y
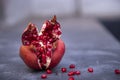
54, 19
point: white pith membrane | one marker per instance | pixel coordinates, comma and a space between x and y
44, 57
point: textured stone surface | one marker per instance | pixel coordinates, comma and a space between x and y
88, 44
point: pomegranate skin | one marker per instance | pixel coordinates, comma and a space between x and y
30, 58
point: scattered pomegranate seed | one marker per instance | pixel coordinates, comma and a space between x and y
63, 69
117, 71
43, 76
90, 69
49, 71
71, 73
77, 72
71, 78
72, 66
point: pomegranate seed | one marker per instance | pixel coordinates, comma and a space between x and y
63, 69
55, 27
26, 43
72, 66
77, 72
48, 53
34, 36
90, 69
49, 71
117, 71
49, 46
44, 58
41, 49
43, 76
71, 73
59, 32
71, 78
36, 44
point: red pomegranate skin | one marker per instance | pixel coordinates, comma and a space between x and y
30, 58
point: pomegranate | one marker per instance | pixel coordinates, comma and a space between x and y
44, 49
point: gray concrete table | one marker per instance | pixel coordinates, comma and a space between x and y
88, 44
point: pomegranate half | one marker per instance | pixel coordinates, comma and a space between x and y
44, 49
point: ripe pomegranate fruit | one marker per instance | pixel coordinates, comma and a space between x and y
44, 49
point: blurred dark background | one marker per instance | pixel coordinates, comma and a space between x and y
107, 11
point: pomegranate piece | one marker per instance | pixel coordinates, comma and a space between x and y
90, 69
49, 71
117, 71
77, 72
71, 73
72, 66
71, 78
43, 76
63, 69
42, 43
30, 34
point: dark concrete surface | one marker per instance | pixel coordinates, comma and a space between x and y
113, 26
88, 44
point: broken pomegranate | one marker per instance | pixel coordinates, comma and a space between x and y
44, 49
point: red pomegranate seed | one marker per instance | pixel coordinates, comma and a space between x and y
90, 69
58, 33
77, 72
71, 73
63, 69
44, 58
48, 53
41, 49
43, 76
71, 78
26, 43
72, 66
49, 71
117, 71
